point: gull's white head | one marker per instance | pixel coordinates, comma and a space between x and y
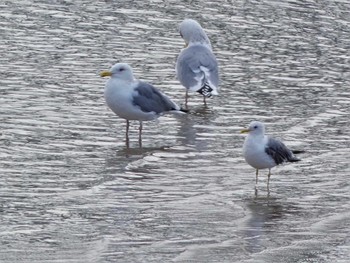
192, 32
121, 71
255, 128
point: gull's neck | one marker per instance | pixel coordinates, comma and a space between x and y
256, 137
202, 43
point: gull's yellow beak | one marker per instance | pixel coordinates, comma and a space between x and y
245, 131
106, 74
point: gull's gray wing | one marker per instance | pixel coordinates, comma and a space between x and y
149, 99
279, 152
197, 65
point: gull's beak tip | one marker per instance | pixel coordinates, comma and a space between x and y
105, 74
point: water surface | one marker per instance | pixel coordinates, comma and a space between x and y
71, 191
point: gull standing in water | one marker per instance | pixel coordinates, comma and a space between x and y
132, 99
196, 66
262, 151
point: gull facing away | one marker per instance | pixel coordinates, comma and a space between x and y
196, 66
132, 99
262, 151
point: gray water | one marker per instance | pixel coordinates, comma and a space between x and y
70, 189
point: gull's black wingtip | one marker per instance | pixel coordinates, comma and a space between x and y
294, 159
205, 90
184, 110
298, 151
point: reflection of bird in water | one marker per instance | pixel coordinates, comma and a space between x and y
188, 133
132, 99
262, 151
263, 212
196, 66
129, 163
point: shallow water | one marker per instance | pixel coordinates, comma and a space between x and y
71, 191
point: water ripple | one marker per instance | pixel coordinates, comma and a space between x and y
72, 191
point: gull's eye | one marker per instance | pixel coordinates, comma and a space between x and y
121, 69
255, 127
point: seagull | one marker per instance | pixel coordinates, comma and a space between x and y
262, 151
196, 65
132, 99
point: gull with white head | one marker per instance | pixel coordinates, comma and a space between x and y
264, 152
132, 99
196, 66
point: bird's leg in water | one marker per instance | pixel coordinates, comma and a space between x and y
140, 134
127, 131
127, 134
186, 99
268, 180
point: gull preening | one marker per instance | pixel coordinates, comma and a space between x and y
132, 99
264, 152
196, 66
